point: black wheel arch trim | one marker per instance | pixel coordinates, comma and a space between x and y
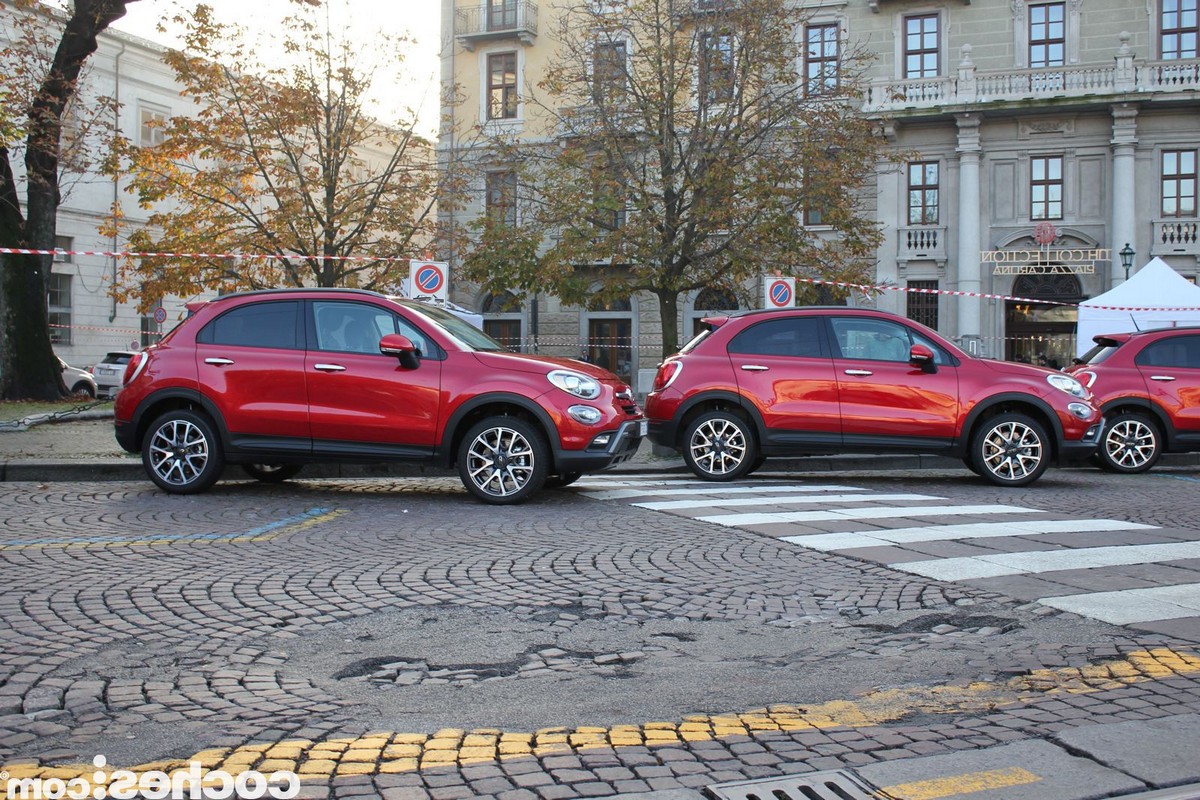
1143, 404
444, 453
724, 396
141, 420
983, 406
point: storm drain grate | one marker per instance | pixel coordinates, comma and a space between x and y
828, 785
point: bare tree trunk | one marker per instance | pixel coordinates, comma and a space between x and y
28, 369
668, 313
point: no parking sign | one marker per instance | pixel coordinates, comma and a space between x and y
429, 279
781, 292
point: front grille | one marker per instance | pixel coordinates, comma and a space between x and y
828, 785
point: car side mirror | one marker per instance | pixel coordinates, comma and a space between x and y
394, 344
921, 357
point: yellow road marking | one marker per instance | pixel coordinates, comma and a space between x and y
961, 784
382, 752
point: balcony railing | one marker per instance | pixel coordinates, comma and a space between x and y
970, 86
921, 243
496, 20
1175, 237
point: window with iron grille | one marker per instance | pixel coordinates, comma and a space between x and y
1046, 187
501, 200
923, 193
821, 58
921, 46
1178, 29
1179, 183
923, 305
1047, 35
58, 306
502, 86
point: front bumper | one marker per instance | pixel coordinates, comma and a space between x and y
620, 447
1083, 448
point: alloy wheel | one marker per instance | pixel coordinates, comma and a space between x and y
1131, 444
718, 446
1012, 451
500, 461
178, 452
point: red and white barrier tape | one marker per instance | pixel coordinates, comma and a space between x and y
862, 287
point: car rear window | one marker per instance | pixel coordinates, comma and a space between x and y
116, 358
1173, 351
799, 337
1098, 354
268, 324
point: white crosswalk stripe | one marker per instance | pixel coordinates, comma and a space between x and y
843, 503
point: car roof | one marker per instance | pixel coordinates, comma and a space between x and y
1114, 339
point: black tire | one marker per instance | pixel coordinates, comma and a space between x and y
561, 480
756, 464
719, 446
83, 387
971, 466
182, 453
1010, 450
272, 473
1132, 443
503, 460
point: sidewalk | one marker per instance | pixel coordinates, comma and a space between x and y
86, 450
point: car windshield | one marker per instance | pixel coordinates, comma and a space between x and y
458, 327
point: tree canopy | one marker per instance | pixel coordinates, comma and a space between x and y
676, 145
286, 163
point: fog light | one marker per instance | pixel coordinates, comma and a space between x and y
1081, 410
602, 440
585, 414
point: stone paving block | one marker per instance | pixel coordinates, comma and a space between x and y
1138, 747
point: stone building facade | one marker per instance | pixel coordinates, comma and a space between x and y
1038, 141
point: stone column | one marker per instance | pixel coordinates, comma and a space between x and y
1124, 201
969, 272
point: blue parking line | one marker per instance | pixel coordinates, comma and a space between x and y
1175, 477
182, 537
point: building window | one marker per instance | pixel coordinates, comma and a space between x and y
711, 300
610, 337
821, 58
58, 306
716, 67
66, 244
502, 86
923, 193
1047, 35
1179, 183
1179, 29
608, 72
501, 15
923, 303
501, 198
152, 126
1046, 187
502, 319
921, 47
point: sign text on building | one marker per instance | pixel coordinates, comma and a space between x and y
1045, 261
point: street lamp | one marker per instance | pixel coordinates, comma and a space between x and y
1126, 253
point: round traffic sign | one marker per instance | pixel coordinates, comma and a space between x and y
430, 279
160, 315
780, 293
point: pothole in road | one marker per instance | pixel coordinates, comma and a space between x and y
941, 624
533, 663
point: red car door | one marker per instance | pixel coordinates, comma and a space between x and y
250, 362
1171, 369
783, 366
885, 401
361, 402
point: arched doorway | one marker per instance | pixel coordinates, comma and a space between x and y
711, 299
1042, 333
610, 336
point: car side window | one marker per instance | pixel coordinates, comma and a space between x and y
871, 339
357, 328
798, 337
267, 324
1174, 351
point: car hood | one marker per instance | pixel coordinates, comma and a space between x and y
524, 362
1015, 368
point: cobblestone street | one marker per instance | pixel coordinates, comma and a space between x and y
391, 638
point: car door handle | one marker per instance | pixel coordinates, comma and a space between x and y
862, 372
329, 367
1161, 378
754, 368
218, 362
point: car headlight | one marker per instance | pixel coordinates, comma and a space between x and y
1065, 383
575, 383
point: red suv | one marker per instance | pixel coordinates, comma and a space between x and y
1148, 386
825, 380
277, 379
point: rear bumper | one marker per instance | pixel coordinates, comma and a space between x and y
663, 432
126, 432
600, 455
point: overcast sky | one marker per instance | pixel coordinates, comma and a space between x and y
419, 18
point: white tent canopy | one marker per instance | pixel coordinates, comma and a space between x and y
1165, 298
